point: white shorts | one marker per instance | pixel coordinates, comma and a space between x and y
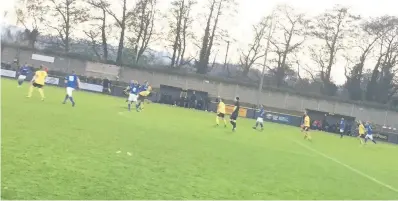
341, 130
69, 91
132, 97
260, 120
21, 77
370, 137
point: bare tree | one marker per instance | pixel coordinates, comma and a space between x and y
381, 86
216, 8
30, 15
330, 27
141, 25
120, 23
368, 35
101, 6
179, 25
291, 26
68, 14
255, 49
93, 35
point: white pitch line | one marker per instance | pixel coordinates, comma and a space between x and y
348, 167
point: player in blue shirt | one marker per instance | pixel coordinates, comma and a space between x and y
369, 133
260, 118
342, 127
133, 90
72, 82
23, 72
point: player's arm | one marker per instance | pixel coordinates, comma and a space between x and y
34, 78
127, 88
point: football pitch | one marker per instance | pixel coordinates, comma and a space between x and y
99, 150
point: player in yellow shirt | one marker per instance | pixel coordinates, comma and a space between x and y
144, 92
221, 113
306, 126
361, 131
38, 82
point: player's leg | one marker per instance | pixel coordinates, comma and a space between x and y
66, 96
31, 87
40, 89
69, 93
217, 119
341, 133
225, 121
233, 121
307, 133
130, 100
256, 125
261, 122
21, 79
371, 138
367, 137
359, 138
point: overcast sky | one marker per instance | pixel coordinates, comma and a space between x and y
250, 12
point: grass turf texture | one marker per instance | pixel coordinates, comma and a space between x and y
54, 151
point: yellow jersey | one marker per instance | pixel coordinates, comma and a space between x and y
146, 92
361, 129
40, 77
307, 121
221, 107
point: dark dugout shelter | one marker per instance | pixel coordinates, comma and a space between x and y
169, 94
183, 98
330, 122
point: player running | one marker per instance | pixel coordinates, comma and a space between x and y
38, 82
144, 92
260, 118
361, 131
235, 114
72, 82
133, 90
23, 72
221, 112
369, 133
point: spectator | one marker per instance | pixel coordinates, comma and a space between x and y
106, 84
193, 101
325, 124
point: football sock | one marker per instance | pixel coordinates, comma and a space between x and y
20, 82
257, 124
41, 93
233, 124
217, 121
71, 100
30, 91
374, 141
66, 98
262, 126
225, 122
129, 106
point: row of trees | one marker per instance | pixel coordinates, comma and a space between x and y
314, 45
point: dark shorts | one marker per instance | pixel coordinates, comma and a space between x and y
37, 85
221, 115
306, 128
234, 116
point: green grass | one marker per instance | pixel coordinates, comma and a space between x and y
54, 151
